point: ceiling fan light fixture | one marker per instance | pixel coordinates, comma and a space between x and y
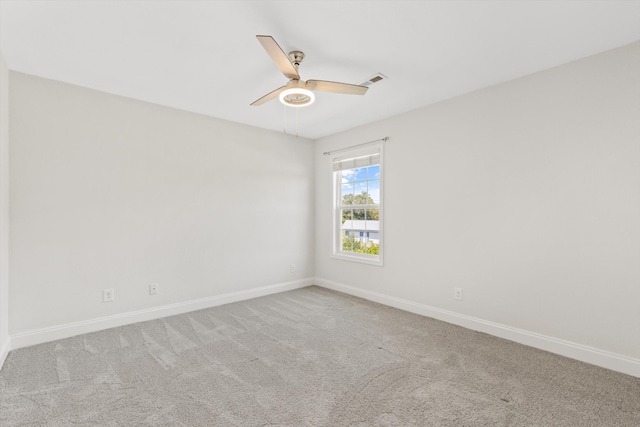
297, 97
297, 92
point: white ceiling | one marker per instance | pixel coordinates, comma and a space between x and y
202, 56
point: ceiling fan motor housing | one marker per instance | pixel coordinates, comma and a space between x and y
296, 57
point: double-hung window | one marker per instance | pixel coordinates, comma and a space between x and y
357, 230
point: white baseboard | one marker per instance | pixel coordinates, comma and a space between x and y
594, 356
53, 333
4, 351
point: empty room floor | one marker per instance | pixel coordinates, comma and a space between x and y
309, 357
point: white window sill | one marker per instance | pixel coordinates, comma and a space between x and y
363, 259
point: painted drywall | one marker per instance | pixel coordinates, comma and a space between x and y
108, 192
4, 210
525, 194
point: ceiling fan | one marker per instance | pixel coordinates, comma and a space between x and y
298, 93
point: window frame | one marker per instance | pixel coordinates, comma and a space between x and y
336, 232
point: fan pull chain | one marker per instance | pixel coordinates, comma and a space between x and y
284, 120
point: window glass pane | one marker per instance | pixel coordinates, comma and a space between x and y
347, 242
372, 224
348, 176
373, 172
374, 191
360, 193
372, 248
347, 215
347, 194
373, 215
358, 215
360, 174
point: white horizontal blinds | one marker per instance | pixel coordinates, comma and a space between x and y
356, 162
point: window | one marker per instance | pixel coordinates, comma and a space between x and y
357, 179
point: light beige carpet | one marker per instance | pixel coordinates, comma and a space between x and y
310, 357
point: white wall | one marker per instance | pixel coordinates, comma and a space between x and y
527, 195
4, 210
108, 192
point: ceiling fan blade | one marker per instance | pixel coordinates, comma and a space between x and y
268, 97
279, 57
326, 86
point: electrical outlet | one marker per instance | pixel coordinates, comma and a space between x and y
292, 268
153, 289
457, 293
108, 295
